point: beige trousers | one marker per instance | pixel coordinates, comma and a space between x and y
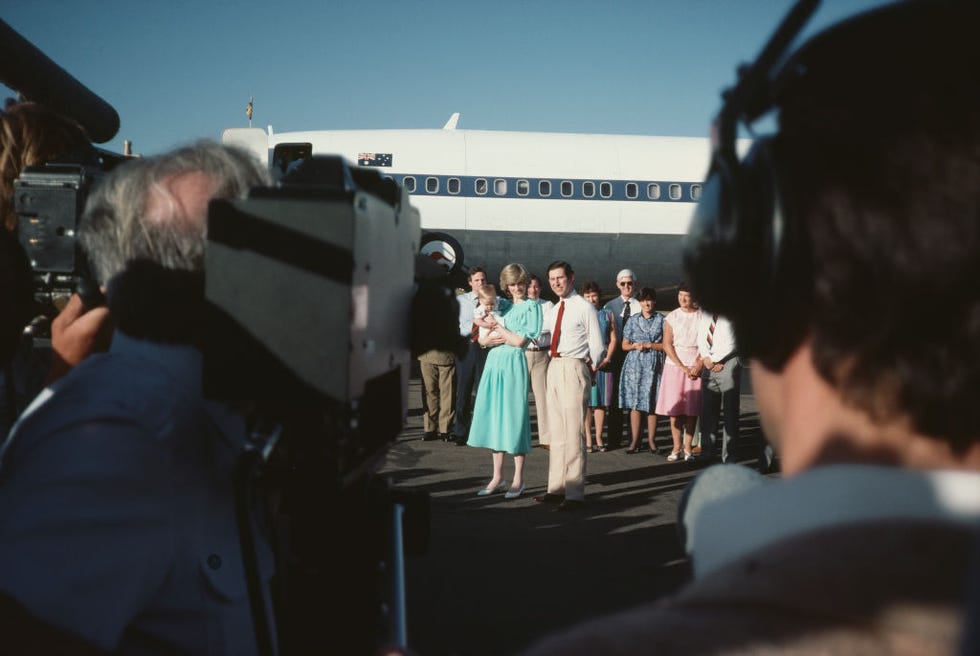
537, 367
568, 386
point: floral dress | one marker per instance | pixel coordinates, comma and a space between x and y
639, 381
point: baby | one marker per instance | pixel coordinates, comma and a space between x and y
486, 313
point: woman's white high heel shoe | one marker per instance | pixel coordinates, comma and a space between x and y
490, 490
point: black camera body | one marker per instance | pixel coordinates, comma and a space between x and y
49, 201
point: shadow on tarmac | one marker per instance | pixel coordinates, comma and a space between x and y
499, 574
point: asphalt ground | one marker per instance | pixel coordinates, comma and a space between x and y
497, 574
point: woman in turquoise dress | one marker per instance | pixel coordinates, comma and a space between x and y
501, 417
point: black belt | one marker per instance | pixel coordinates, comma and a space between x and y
538, 348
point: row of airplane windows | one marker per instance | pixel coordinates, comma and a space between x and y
509, 187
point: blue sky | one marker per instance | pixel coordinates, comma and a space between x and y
177, 70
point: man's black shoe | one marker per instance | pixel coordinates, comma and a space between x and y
445, 437
550, 498
569, 505
428, 436
455, 439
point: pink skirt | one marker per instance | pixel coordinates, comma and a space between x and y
679, 394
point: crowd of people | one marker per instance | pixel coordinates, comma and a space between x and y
668, 360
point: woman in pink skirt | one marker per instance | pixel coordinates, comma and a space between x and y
680, 384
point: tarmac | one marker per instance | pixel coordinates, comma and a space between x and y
499, 574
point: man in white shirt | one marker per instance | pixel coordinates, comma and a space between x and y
469, 368
721, 373
623, 307
537, 364
576, 345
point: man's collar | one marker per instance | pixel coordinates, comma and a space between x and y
824, 496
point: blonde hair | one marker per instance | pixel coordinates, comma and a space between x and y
31, 134
487, 292
513, 274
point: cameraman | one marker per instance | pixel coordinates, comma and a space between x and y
30, 135
117, 519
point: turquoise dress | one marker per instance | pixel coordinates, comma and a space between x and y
501, 418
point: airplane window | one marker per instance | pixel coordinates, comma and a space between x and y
500, 187
523, 187
409, 183
285, 154
605, 189
432, 185
588, 189
566, 188
653, 191
480, 186
675, 192
453, 185
632, 190
544, 188
696, 192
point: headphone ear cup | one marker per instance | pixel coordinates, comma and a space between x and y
760, 219
711, 244
729, 243
735, 253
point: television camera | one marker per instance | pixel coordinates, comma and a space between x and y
313, 300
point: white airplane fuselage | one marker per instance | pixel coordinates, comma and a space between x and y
600, 202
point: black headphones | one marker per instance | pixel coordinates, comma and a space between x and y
736, 249
747, 254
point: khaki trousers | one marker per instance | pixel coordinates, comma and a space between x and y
438, 369
537, 368
569, 380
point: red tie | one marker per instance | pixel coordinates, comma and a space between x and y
556, 335
475, 331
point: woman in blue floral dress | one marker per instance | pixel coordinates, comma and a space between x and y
643, 337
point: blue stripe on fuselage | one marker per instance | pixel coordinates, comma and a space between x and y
616, 191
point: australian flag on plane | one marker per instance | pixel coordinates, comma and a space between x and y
374, 159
